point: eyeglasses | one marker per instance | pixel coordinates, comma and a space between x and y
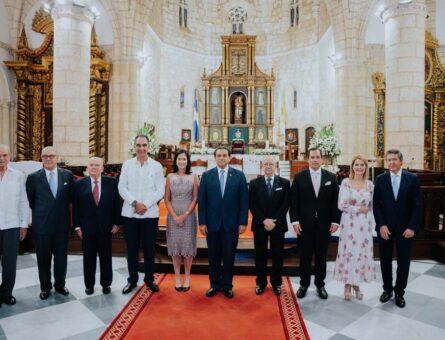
49, 156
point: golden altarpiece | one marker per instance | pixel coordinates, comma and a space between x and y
33, 69
238, 100
434, 109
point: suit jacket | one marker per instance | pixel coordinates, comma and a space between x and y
49, 214
229, 211
306, 206
101, 218
401, 213
275, 206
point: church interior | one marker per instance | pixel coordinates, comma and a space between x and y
262, 77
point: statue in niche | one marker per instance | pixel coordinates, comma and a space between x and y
239, 110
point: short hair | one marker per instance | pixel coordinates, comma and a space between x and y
51, 148
314, 149
95, 158
188, 168
141, 136
222, 147
351, 170
6, 147
394, 152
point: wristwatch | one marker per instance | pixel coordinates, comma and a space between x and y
133, 204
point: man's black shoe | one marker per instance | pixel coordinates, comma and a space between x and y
9, 300
128, 288
106, 290
152, 286
385, 297
44, 294
400, 301
62, 290
259, 290
89, 291
322, 293
228, 293
301, 292
211, 292
277, 290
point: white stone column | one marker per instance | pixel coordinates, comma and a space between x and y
405, 80
71, 82
4, 123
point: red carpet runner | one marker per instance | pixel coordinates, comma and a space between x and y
191, 315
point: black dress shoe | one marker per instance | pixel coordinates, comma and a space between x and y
322, 293
277, 290
211, 292
400, 301
185, 289
152, 286
259, 290
301, 292
128, 288
228, 293
9, 300
385, 297
178, 289
89, 291
106, 290
62, 290
44, 294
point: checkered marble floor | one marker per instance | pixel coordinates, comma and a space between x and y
79, 316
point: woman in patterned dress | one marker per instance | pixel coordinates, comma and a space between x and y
181, 196
355, 260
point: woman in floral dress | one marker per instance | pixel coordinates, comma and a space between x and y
355, 260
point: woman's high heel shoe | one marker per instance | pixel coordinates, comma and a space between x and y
358, 293
348, 294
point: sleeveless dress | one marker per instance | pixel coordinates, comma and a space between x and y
355, 257
181, 240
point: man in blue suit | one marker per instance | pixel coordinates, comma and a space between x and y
397, 208
223, 211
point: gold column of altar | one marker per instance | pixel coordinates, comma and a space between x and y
238, 106
434, 109
33, 69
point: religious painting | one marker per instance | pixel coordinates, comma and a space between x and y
238, 61
186, 135
428, 125
215, 135
215, 115
215, 96
238, 133
260, 115
292, 136
260, 96
260, 134
310, 132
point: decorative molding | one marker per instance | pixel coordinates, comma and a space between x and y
77, 13
402, 10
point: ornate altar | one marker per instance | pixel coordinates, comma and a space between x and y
34, 74
434, 109
238, 101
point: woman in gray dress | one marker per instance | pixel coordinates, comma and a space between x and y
181, 196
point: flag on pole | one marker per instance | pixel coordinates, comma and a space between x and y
196, 118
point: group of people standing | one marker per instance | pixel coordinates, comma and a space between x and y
316, 205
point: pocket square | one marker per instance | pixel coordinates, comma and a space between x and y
65, 183
278, 189
327, 183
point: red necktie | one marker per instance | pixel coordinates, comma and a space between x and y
96, 192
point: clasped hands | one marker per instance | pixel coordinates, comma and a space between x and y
140, 208
269, 224
203, 229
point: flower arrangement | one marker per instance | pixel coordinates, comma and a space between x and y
202, 151
267, 151
148, 130
327, 141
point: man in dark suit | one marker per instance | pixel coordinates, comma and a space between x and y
50, 192
96, 216
223, 211
315, 216
269, 197
397, 207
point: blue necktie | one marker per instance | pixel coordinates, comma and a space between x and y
395, 185
52, 184
221, 181
269, 185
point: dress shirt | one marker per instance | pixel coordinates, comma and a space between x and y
271, 182
99, 184
47, 172
144, 184
396, 176
226, 173
14, 206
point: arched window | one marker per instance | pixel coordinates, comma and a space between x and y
294, 13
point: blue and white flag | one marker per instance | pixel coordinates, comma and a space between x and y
196, 119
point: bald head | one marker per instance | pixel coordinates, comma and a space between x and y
5, 156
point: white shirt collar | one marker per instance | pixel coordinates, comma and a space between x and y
313, 172
49, 171
398, 173
98, 180
226, 169
272, 177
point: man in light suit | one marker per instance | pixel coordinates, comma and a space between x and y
397, 205
223, 211
315, 216
50, 193
269, 197
96, 216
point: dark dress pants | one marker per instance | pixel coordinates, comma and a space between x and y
260, 238
313, 241
221, 246
48, 245
93, 245
9, 248
136, 229
403, 249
